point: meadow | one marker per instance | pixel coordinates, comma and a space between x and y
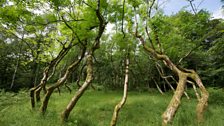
95, 108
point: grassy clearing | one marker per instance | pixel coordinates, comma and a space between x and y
95, 109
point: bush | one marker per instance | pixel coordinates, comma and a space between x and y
216, 96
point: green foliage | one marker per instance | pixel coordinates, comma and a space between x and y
216, 96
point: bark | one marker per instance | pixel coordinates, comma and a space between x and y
32, 95
47, 96
203, 101
175, 101
60, 82
37, 94
79, 93
32, 100
124, 98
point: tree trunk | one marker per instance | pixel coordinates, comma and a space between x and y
79, 93
124, 98
60, 81
89, 77
46, 75
32, 98
203, 101
34, 89
37, 93
183, 74
47, 96
14, 74
175, 101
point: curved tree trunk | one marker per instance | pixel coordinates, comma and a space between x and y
60, 81
124, 98
35, 91
175, 101
183, 74
89, 78
203, 100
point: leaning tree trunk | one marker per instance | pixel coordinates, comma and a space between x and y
89, 77
124, 98
176, 100
60, 82
183, 74
79, 93
35, 91
203, 100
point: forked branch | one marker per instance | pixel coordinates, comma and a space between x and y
182, 74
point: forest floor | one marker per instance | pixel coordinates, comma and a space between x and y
95, 108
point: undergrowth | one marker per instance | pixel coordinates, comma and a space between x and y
95, 108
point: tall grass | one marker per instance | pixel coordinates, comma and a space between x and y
95, 108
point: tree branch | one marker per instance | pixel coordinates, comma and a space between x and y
150, 8
122, 23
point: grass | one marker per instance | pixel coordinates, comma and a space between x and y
95, 108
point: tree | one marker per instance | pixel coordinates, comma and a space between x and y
62, 40
158, 53
89, 77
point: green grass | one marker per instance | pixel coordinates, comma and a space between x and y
95, 108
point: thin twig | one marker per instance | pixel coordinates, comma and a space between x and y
195, 89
